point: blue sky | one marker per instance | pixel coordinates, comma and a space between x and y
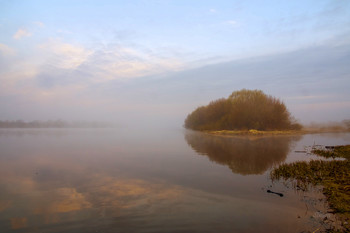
157, 60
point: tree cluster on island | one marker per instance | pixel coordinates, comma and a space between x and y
243, 110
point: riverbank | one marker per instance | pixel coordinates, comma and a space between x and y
333, 175
254, 132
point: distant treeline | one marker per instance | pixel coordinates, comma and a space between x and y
244, 109
53, 124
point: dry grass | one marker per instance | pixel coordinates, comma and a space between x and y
254, 132
334, 176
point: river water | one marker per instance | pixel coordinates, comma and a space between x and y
174, 180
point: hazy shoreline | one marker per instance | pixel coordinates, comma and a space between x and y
55, 124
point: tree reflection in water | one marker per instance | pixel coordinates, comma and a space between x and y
243, 155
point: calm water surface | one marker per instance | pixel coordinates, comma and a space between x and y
113, 180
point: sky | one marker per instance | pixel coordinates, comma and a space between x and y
153, 62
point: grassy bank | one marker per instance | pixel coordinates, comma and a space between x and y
253, 132
337, 152
268, 132
333, 175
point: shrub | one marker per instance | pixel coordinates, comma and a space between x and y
244, 109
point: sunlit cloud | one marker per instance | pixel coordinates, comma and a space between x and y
6, 50
68, 200
65, 55
124, 62
212, 10
62, 71
21, 33
68, 64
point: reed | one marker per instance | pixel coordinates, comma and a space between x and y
333, 175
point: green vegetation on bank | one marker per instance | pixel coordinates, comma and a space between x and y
243, 110
333, 175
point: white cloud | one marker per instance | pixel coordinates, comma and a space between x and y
21, 33
123, 62
232, 22
66, 65
212, 10
6, 50
65, 55
61, 71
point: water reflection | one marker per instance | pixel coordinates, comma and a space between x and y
28, 202
112, 181
243, 155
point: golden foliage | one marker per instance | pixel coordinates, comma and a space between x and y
244, 109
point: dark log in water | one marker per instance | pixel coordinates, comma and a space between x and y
279, 194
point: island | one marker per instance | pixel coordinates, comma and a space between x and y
243, 112
252, 112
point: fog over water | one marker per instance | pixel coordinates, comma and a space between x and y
112, 180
